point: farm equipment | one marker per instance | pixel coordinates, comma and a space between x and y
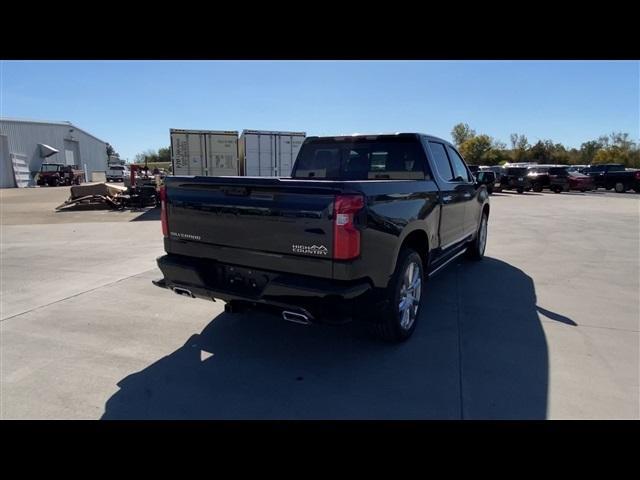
136, 193
57, 174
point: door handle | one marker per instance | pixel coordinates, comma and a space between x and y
447, 198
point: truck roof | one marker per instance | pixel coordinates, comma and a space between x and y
376, 135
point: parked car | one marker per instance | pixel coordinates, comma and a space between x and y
491, 185
580, 181
539, 177
498, 172
56, 174
488, 178
614, 175
558, 179
516, 178
353, 233
117, 173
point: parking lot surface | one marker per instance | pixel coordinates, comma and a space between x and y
546, 326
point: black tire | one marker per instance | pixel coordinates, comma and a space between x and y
388, 321
537, 188
520, 190
636, 189
476, 248
620, 187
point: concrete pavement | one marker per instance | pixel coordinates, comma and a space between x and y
546, 326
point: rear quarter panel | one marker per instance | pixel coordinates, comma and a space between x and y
394, 210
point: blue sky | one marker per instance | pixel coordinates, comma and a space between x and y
132, 104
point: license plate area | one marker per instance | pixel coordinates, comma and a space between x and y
234, 279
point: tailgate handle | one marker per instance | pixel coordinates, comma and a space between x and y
235, 191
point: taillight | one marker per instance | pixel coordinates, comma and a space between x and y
163, 211
637, 174
346, 237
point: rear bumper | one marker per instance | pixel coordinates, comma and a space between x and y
512, 184
318, 298
563, 184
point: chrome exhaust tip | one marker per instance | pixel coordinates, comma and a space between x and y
183, 291
296, 317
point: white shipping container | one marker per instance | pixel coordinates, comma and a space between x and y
268, 154
204, 152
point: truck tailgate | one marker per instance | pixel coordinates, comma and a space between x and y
287, 223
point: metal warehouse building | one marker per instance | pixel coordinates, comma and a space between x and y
29, 143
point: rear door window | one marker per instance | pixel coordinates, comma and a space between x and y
460, 171
441, 161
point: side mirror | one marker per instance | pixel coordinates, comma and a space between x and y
485, 178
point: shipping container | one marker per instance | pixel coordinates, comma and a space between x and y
207, 153
268, 154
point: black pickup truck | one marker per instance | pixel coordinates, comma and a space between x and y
614, 175
355, 231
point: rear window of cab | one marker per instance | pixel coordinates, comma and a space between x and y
362, 158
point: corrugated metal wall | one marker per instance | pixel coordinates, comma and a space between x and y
24, 138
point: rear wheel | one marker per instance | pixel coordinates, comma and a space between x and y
520, 190
620, 187
397, 320
537, 188
477, 247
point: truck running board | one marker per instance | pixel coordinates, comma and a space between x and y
432, 273
296, 317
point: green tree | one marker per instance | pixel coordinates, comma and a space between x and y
461, 133
475, 149
164, 155
148, 155
541, 152
560, 155
111, 151
618, 148
519, 147
574, 156
612, 154
588, 151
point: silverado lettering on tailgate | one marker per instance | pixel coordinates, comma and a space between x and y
185, 236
